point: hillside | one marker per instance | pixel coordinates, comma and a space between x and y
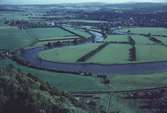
24, 93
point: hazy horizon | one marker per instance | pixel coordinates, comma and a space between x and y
74, 1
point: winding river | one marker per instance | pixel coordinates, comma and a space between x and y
31, 55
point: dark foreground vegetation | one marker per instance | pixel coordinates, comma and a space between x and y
24, 93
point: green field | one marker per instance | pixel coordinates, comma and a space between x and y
79, 31
116, 38
142, 40
62, 81
49, 33
2, 22
67, 54
12, 38
112, 54
163, 39
151, 53
71, 82
146, 30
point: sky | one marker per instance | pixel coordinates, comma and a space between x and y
71, 1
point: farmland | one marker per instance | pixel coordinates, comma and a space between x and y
62, 81
117, 38
12, 38
48, 33
142, 40
146, 30
96, 60
67, 54
112, 54
147, 53
81, 32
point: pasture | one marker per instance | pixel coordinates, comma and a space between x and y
142, 40
146, 30
78, 31
48, 33
62, 81
67, 54
117, 38
112, 54
150, 53
12, 38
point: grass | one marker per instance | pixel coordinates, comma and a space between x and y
112, 54
141, 40
119, 105
140, 81
147, 53
146, 30
14, 15
2, 22
67, 54
12, 38
70, 82
49, 33
163, 39
62, 81
79, 31
116, 38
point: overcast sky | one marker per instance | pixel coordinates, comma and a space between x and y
71, 1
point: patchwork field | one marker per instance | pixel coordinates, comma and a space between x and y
151, 53
2, 22
49, 33
112, 54
94, 77
67, 54
117, 38
146, 30
79, 31
163, 39
142, 40
12, 37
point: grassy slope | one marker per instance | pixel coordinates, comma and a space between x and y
48, 33
66, 82
24, 94
12, 37
67, 54
113, 53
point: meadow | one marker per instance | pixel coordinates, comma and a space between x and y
12, 38
48, 33
146, 30
79, 31
116, 38
112, 54
62, 81
150, 53
142, 40
67, 54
